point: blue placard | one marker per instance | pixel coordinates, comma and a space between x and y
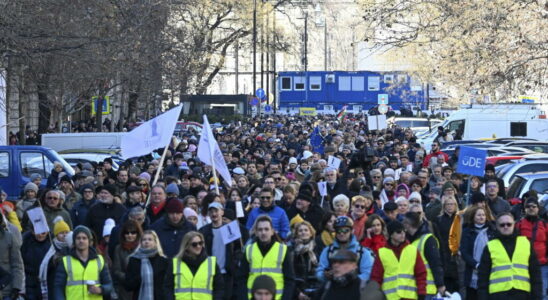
260, 93
471, 161
267, 108
254, 101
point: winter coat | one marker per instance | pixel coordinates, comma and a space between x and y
498, 206
365, 262
61, 277
171, 235
33, 252
374, 243
71, 199
467, 245
355, 288
233, 251
53, 180
50, 214
160, 266
526, 227
10, 257
314, 215
431, 253
23, 205
443, 224
120, 260
79, 211
338, 188
484, 271
377, 273
279, 218
100, 212
432, 210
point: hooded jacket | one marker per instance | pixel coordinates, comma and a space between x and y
365, 262
10, 256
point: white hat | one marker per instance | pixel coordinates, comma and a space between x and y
400, 199
238, 171
415, 195
388, 172
307, 154
107, 229
293, 160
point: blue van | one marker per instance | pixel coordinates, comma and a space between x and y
17, 163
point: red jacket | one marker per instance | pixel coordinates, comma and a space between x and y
374, 243
525, 228
377, 273
426, 161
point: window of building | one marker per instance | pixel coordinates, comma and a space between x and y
344, 83
402, 78
358, 83
518, 129
299, 83
373, 83
315, 83
388, 78
286, 83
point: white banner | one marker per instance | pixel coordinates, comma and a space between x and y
149, 136
3, 109
208, 148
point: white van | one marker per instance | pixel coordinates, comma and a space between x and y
487, 121
80, 141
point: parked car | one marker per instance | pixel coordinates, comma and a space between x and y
502, 159
536, 146
17, 163
509, 171
418, 125
74, 158
525, 182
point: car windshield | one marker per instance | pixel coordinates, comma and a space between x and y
515, 187
66, 166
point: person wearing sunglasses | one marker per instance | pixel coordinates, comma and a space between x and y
193, 274
536, 230
279, 217
345, 239
509, 268
399, 268
360, 204
129, 237
388, 193
147, 268
420, 236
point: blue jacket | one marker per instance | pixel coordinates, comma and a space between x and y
79, 211
278, 216
171, 235
365, 262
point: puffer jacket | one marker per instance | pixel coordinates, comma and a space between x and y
10, 257
526, 227
365, 262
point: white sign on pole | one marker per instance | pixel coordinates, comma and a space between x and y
377, 122
38, 219
333, 162
322, 188
230, 232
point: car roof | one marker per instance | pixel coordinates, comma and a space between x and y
527, 143
534, 175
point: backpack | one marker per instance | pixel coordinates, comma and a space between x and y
331, 250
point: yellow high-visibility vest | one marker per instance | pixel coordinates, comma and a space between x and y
430, 284
399, 276
197, 286
78, 277
270, 264
505, 274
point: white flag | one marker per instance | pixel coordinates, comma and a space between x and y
208, 147
38, 219
151, 135
230, 232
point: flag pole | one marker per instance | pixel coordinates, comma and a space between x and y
157, 175
212, 156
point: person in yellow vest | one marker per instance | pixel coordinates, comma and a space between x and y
399, 268
419, 236
193, 274
509, 268
266, 255
83, 273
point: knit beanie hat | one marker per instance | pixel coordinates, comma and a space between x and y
189, 212
477, 197
415, 195
60, 226
172, 188
448, 185
174, 205
31, 187
35, 176
264, 282
79, 229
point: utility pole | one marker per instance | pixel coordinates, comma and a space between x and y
325, 44
274, 82
254, 46
306, 56
236, 66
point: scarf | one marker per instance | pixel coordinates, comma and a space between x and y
130, 246
479, 244
146, 291
327, 237
57, 246
303, 247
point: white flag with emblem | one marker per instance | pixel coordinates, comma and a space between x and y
208, 148
151, 135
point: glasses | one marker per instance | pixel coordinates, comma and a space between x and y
414, 201
359, 206
389, 184
278, 178
343, 230
142, 184
360, 173
531, 206
492, 186
265, 198
131, 232
88, 191
52, 198
506, 225
196, 244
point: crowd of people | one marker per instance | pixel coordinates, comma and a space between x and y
394, 221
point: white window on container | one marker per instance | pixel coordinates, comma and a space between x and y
315, 83
373, 83
344, 83
388, 78
299, 83
286, 83
358, 83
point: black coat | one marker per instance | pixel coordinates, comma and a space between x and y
314, 215
232, 254
160, 266
484, 271
33, 253
431, 253
338, 188
443, 225
171, 235
100, 212
467, 243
